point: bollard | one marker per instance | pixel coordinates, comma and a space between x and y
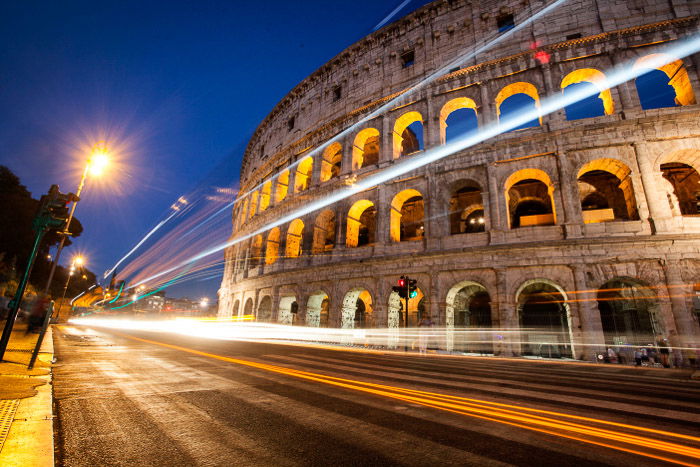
40, 340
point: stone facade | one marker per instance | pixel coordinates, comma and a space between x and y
593, 222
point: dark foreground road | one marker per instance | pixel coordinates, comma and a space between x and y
127, 399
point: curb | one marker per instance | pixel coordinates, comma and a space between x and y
29, 440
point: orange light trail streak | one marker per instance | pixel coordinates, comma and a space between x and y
542, 421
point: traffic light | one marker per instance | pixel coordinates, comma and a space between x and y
53, 210
401, 288
412, 292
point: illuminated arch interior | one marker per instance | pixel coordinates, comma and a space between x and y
365, 148
255, 250
595, 77
360, 224
407, 216
324, 232
606, 192
676, 73
273, 246
514, 89
400, 134
520, 188
282, 186
265, 194
331, 162
253, 203
294, 237
450, 107
303, 174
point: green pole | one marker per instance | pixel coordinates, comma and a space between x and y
14, 304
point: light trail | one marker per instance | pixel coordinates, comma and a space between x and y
489, 42
626, 437
618, 75
475, 340
138, 245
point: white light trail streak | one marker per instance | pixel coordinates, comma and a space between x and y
616, 76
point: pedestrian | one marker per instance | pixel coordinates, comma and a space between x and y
638, 357
612, 356
36, 317
664, 350
423, 333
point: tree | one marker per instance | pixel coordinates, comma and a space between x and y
17, 209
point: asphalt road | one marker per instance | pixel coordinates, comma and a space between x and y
137, 398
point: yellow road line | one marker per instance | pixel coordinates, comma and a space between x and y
492, 411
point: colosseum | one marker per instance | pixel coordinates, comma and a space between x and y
582, 225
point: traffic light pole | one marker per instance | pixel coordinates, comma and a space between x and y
15, 303
66, 232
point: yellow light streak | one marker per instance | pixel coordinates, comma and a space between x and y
497, 412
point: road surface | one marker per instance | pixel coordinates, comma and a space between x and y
139, 398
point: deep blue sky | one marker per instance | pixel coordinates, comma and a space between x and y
182, 83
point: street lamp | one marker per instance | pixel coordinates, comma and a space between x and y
96, 163
77, 261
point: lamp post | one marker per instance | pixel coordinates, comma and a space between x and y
95, 164
77, 261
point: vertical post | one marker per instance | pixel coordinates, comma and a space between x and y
40, 340
14, 304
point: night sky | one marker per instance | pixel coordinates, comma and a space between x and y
180, 86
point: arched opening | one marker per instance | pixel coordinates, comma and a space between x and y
255, 251
302, 178
253, 203
265, 309
594, 105
686, 186
294, 238
416, 309
543, 312
365, 148
665, 86
361, 224
314, 309
408, 134
468, 318
357, 310
628, 312
529, 199
325, 313
515, 100
324, 232
248, 308
265, 195
467, 210
243, 213
288, 310
331, 162
457, 119
273, 246
406, 219
605, 192
282, 186
236, 306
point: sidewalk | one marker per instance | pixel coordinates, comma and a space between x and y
26, 412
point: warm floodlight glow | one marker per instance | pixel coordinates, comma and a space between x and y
98, 159
78, 260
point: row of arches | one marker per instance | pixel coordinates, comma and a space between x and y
667, 86
544, 315
605, 193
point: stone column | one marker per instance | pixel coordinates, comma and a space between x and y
486, 111
568, 187
386, 148
274, 312
591, 325
497, 208
506, 344
687, 331
393, 320
431, 127
656, 199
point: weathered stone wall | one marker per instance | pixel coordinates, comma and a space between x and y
659, 251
